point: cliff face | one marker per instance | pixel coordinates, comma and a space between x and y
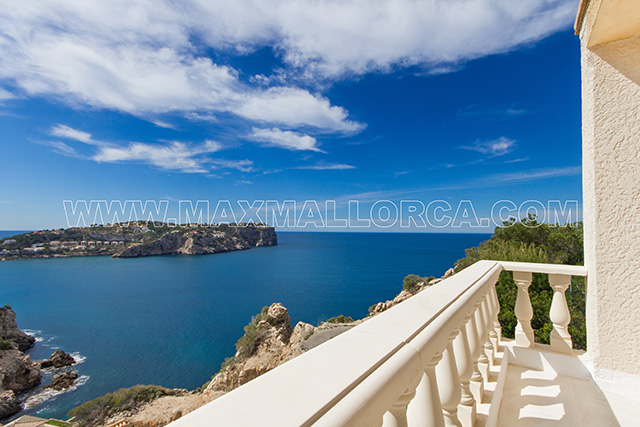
207, 241
9, 330
258, 236
277, 343
17, 372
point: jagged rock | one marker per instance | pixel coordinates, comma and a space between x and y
9, 405
9, 330
450, 272
58, 359
17, 371
63, 380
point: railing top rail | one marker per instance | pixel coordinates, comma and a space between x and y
571, 270
305, 389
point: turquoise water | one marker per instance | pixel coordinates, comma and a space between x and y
172, 320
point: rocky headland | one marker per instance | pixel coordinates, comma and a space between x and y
269, 341
136, 239
18, 373
203, 241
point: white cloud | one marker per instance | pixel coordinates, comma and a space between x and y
171, 156
337, 38
327, 166
147, 57
163, 125
4, 95
240, 165
64, 131
495, 148
294, 141
489, 181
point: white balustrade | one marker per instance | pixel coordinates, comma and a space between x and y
421, 363
449, 384
488, 319
483, 334
496, 332
467, 409
475, 346
426, 408
559, 315
523, 310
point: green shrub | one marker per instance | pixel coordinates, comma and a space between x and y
340, 319
228, 362
530, 241
58, 423
98, 410
254, 334
6, 345
411, 281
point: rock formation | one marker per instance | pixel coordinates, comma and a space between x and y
59, 359
63, 380
204, 241
17, 374
9, 330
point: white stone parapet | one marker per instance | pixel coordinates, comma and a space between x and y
423, 362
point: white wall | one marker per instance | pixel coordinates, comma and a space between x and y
611, 193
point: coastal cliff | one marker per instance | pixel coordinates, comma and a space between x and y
268, 342
17, 372
9, 330
203, 241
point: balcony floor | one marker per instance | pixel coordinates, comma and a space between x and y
540, 396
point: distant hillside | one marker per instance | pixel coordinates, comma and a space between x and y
135, 239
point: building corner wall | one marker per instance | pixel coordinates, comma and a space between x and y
611, 201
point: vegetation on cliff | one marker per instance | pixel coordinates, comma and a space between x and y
95, 412
530, 241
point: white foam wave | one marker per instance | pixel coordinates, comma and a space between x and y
42, 395
34, 333
78, 357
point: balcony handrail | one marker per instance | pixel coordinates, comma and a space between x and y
397, 366
531, 267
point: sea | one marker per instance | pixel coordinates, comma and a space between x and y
172, 320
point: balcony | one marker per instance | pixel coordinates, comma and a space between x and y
437, 359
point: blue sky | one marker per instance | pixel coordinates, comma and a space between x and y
355, 100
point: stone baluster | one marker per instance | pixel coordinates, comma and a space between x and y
483, 335
425, 409
464, 363
488, 318
497, 328
477, 385
560, 316
396, 416
449, 384
523, 310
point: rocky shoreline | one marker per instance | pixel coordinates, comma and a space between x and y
18, 373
